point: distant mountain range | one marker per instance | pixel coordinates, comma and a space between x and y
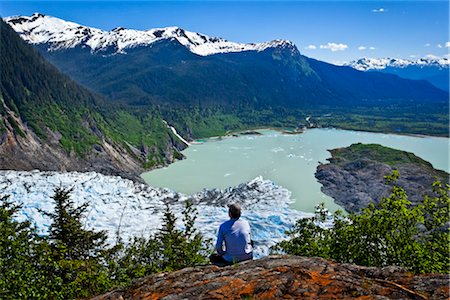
178, 67
366, 64
201, 85
435, 70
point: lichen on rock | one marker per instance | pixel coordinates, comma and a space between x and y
286, 277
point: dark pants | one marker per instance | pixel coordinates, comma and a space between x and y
218, 260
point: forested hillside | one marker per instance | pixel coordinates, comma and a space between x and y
51, 123
275, 87
206, 86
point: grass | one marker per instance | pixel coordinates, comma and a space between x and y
376, 153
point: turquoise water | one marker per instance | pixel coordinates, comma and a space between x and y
287, 160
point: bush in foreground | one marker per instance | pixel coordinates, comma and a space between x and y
73, 262
392, 233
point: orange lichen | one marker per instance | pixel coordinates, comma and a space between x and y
234, 288
286, 277
320, 279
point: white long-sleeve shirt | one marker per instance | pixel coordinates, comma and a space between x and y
235, 233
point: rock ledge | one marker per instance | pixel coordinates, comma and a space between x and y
286, 277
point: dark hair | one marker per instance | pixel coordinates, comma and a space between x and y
234, 210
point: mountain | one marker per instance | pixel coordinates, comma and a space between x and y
434, 70
60, 34
49, 122
206, 86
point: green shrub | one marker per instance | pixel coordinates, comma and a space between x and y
392, 233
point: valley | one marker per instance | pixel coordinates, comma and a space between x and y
290, 161
205, 86
126, 131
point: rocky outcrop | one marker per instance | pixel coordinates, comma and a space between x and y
29, 152
286, 277
355, 175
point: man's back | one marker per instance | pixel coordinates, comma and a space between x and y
236, 235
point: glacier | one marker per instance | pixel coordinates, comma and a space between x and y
136, 209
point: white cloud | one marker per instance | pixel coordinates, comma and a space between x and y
413, 56
447, 45
334, 47
427, 45
311, 47
432, 56
439, 45
379, 10
362, 48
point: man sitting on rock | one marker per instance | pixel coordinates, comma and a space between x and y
234, 234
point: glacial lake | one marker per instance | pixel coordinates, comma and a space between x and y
287, 160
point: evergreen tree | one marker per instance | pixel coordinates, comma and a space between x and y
169, 249
23, 258
180, 248
79, 254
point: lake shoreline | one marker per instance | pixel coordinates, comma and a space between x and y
233, 134
247, 156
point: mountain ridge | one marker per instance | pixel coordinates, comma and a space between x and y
49, 122
432, 69
366, 63
61, 34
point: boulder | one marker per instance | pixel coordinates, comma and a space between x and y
286, 277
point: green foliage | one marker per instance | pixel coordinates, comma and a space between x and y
437, 241
393, 233
15, 126
73, 262
67, 233
168, 250
24, 258
77, 253
395, 118
308, 238
181, 248
377, 153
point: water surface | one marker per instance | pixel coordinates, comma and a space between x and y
287, 160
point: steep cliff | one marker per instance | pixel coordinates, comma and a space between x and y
286, 277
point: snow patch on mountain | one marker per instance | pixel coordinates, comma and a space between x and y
61, 34
366, 64
117, 204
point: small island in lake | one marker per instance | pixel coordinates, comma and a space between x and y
354, 176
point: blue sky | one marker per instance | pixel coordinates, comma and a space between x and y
333, 31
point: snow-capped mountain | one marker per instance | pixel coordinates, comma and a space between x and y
61, 34
366, 64
432, 69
